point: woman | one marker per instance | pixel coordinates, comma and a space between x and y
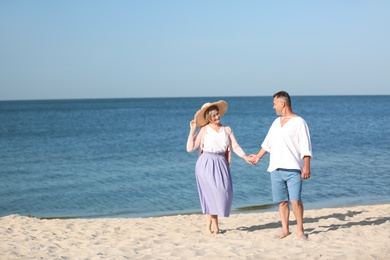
212, 170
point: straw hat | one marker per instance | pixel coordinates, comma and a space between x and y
200, 118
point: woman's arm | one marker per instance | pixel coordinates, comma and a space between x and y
236, 147
194, 137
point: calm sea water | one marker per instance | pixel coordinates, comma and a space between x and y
127, 157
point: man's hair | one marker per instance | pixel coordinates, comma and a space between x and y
284, 96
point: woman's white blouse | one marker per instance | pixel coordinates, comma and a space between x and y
215, 142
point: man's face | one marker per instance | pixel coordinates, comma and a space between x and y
278, 105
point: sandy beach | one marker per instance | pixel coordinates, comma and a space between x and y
359, 232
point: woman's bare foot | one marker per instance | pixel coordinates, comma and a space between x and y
283, 235
208, 225
216, 232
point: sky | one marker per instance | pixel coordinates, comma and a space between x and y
186, 48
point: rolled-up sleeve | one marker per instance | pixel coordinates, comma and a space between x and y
304, 140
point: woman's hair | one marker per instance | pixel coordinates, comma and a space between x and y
284, 96
209, 112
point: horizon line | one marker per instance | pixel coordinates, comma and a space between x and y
185, 97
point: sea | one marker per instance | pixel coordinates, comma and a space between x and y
109, 158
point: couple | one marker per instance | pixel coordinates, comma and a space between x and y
287, 141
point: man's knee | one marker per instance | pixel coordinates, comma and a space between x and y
296, 203
283, 204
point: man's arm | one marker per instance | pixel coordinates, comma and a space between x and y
306, 167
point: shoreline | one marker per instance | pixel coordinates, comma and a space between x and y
237, 210
354, 232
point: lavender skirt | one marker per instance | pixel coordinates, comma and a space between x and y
214, 182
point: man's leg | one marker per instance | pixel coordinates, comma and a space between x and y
284, 212
295, 189
298, 209
280, 195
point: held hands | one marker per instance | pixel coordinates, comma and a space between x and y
255, 158
248, 159
252, 159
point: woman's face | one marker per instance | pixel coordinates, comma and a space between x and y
214, 117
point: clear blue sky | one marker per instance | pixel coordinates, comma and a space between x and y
123, 49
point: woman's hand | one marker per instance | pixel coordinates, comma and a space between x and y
193, 125
248, 159
255, 158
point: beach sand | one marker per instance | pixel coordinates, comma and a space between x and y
359, 232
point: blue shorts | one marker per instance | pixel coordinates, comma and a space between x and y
286, 185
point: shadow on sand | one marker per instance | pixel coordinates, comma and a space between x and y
339, 216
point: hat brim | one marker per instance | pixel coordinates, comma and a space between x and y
200, 114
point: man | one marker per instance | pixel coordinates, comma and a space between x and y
289, 145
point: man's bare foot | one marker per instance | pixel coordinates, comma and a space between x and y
283, 235
209, 232
303, 236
